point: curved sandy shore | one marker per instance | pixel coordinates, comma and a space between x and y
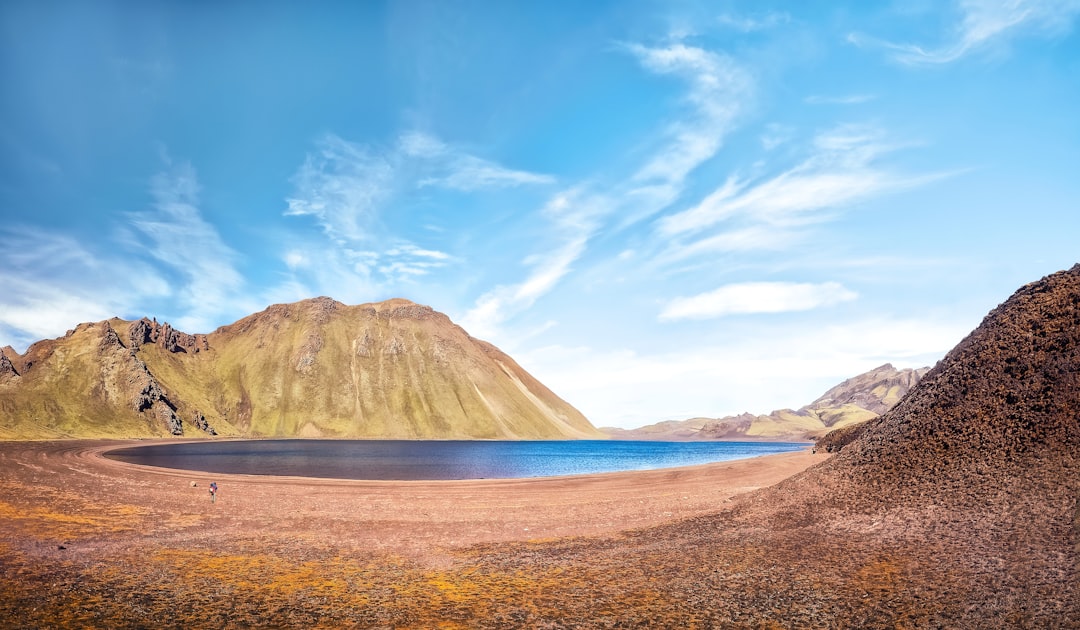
409, 517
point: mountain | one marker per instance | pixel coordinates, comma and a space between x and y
315, 368
855, 400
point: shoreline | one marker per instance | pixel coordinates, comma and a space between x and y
411, 517
102, 451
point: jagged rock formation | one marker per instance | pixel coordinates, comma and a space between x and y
147, 331
313, 368
7, 369
855, 400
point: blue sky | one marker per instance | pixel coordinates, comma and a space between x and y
660, 209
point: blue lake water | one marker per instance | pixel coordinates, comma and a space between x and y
438, 460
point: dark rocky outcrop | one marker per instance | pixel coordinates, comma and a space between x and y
199, 420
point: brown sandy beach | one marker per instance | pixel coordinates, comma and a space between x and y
89, 540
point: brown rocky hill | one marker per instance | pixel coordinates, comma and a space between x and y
315, 368
855, 400
976, 471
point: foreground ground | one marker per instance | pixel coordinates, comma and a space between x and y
88, 542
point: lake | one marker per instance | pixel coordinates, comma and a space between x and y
402, 460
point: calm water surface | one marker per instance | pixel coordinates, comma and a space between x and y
433, 460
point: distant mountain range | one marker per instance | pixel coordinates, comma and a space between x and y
854, 401
315, 368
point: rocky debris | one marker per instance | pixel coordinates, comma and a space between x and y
141, 332
411, 311
199, 420
307, 353
172, 421
395, 347
321, 308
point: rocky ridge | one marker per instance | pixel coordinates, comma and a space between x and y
855, 400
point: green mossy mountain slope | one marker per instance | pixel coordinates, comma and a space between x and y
315, 368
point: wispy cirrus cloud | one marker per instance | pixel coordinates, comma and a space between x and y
174, 233
51, 282
575, 218
458, 170
348, 187
756, 297
742, 214
719, 91
983, 23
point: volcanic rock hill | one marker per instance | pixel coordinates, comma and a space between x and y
856, 400
315, 368
977, 468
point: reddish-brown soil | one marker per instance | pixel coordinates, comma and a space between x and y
90, 541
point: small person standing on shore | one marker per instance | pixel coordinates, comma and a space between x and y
213, 492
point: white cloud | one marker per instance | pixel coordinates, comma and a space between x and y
776, 135
422, 145
769, 20
494, 307
761, 369
983, 24
757, 297
295, 259
408, 249
342, 185
44, 308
